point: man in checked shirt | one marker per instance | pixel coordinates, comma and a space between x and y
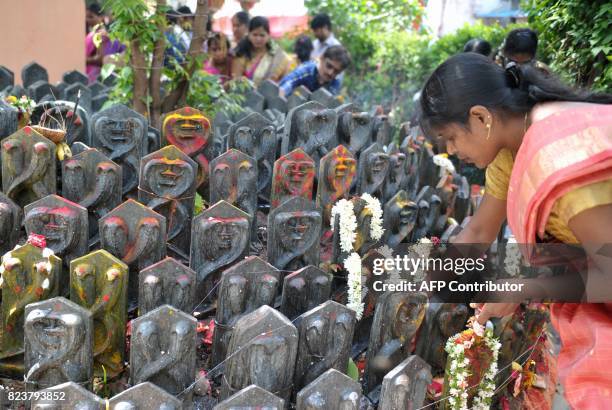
316, 74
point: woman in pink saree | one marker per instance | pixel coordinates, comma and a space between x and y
258, 58
548, 154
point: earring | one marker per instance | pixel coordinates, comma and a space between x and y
488, 131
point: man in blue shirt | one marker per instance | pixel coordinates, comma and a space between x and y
314, 75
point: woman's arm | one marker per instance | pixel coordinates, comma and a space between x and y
485, 224
593, 228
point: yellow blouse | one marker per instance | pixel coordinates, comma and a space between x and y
565, 208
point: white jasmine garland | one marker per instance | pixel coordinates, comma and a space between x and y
458, 394
512, 261
376, 226
347, 225
353, 266
444, 163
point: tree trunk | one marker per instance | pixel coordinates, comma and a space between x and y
157, 65
139, 62
179, 94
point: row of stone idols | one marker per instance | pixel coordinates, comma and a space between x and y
63, 340
35, 85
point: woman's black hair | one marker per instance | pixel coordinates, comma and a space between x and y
521, 41
245, 47
95, 8
469, 79
303, 47
478, 45
217, 38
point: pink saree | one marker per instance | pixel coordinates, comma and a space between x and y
561, 153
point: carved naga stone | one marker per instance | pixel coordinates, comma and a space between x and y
303, 290
396, 320
29, 274
11, 217
73, 397
405, 387
442, 320
28, 166
168, 186
163, 349
262, 351
331, 390
252, 397
121, 134
311, 127
373, 169
219, 236
58, 343
294, 175
294, 231
136, 235
337, 171
400, 216
145, 396
255, 136
188, 129
233, 178
325, 337
94, 182
98, 282
62, 223
397, 172
166, 282
354, 128
244, 287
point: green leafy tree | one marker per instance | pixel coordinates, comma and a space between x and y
141, 25
575, 39
357, 22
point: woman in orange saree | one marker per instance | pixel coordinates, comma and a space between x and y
548, 154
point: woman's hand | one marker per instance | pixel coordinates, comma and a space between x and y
485, 311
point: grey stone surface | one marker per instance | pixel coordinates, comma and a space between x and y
325, 333
68, 396
397, 318
219, 236
166, 282
93, 181
163, 349
372, 170
32, 72
252, 398
399, 219
405, 387
262, 351
311, 127
168, 186
255, 136
304, 290
121, 134
58, 343
11, 217
243, 288
233, 178
331, 390
294, 231
145, 396
354, 128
